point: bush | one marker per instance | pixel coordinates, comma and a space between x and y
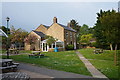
69, 47
99, 45
94, 44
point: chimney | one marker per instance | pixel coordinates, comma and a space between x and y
68, 24
54, 20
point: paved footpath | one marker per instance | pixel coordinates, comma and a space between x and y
41, 72
94, 72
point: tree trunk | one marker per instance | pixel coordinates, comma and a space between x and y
111, 47
115, 55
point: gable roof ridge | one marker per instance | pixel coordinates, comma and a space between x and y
38, 26
50, 25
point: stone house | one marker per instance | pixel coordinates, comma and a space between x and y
65, 35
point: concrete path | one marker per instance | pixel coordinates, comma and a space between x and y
94, 72
41, 72
34, 74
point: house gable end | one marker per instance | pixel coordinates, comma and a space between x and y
42, 29
56, 31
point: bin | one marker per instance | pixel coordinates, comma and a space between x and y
55, 49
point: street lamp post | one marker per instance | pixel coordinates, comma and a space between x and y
7, 46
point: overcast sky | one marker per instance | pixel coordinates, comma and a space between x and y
29, 15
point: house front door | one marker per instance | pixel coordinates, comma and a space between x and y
45, 47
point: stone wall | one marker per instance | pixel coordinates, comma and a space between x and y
56, 31
37, 43
70, 37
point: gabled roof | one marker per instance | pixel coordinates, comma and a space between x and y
46, 26
66, 27
39, 33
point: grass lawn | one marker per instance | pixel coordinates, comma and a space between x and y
104, 62
24, 51
20, 51
2, 51
65, 61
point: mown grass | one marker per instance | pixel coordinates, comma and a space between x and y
24, 51
2, 51
104, 62
65, 61
20, 51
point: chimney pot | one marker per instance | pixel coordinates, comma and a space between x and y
54, 20
68, 24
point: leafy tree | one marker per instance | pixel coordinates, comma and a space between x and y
84, 30
74, 24
91, 30
31, 39
100, 38
50, 40
85, 34
4, 39
17, 36
5, 29
108, 26
85, 39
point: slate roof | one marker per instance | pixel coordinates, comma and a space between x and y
46, 26
67, 28
39, 33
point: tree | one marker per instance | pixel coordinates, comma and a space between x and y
100, 38
4, 39
50, 40
74, 24
84, 30
17, 36
85, 34
85, 39
5, 29
108, 25
91, 30
31, 39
